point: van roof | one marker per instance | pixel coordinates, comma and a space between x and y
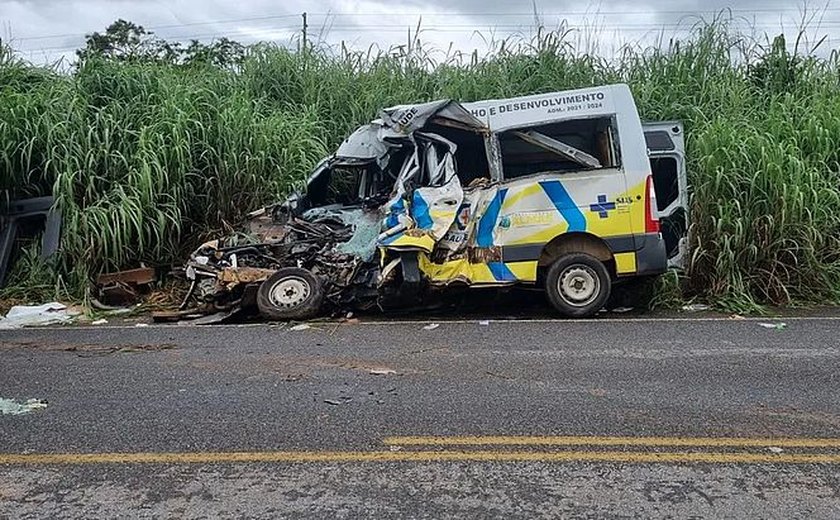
503, 114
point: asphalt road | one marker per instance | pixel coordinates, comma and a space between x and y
533, 419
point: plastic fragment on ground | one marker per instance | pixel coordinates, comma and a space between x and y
778, 325
12, 407
382, 371
101, 321
695, 307
37, 315
431, 326
301, 326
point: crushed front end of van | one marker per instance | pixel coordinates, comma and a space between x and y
390, 182
553, 190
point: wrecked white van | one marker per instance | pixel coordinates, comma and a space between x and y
565, 191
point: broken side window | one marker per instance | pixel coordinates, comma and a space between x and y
470, 154
338, 185
581, 144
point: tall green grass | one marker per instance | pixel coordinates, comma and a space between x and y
148, 159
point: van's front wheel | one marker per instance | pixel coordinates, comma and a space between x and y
290, 293
578, 285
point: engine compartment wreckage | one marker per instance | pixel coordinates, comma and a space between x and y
431, 195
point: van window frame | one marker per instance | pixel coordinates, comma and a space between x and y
613, 135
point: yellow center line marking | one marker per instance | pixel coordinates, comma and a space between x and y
572, 440
415, 456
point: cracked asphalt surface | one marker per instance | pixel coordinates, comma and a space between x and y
346, 388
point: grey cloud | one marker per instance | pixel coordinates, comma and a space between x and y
25, 20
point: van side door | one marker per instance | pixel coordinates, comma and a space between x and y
666, 151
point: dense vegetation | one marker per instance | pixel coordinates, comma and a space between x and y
149, 155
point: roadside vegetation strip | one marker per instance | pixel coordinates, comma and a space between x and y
147, 158
571, 440
416, 456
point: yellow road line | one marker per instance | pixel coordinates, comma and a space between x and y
572, 440
415, 456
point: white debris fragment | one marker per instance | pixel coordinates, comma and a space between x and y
431, 326
382, 371
101, 321
141, 324
301, 326
622, 310
484, 322
696, 307
35, 315
775, 449
12, 407
778, 325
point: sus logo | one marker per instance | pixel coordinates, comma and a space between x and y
463, 217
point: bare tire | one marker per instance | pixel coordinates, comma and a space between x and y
578, 285
290, 294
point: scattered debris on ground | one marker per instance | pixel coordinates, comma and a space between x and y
122, 288
105, 350
28, 217
779, 325
382, 371
12, 407
696, 307
431, 326
37, 315
300, 326
344, 399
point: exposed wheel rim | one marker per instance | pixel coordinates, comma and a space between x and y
289, 292
579, 285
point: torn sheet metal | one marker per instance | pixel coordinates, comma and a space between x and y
405, 119
392, 185
139, 276
28, 217
122, 288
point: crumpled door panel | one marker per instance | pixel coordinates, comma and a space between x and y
418, 219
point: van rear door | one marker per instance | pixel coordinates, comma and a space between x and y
666, 151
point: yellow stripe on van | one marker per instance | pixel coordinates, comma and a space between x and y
625, 263
511, 200
543, 236
524, 271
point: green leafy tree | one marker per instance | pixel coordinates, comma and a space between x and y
126, 41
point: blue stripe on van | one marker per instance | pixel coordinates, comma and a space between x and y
501, 272
420, 212
565, 205
397, 208
484, 235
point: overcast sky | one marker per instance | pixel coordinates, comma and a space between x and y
46, 30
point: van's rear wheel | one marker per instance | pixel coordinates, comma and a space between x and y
290, 294
578, 285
